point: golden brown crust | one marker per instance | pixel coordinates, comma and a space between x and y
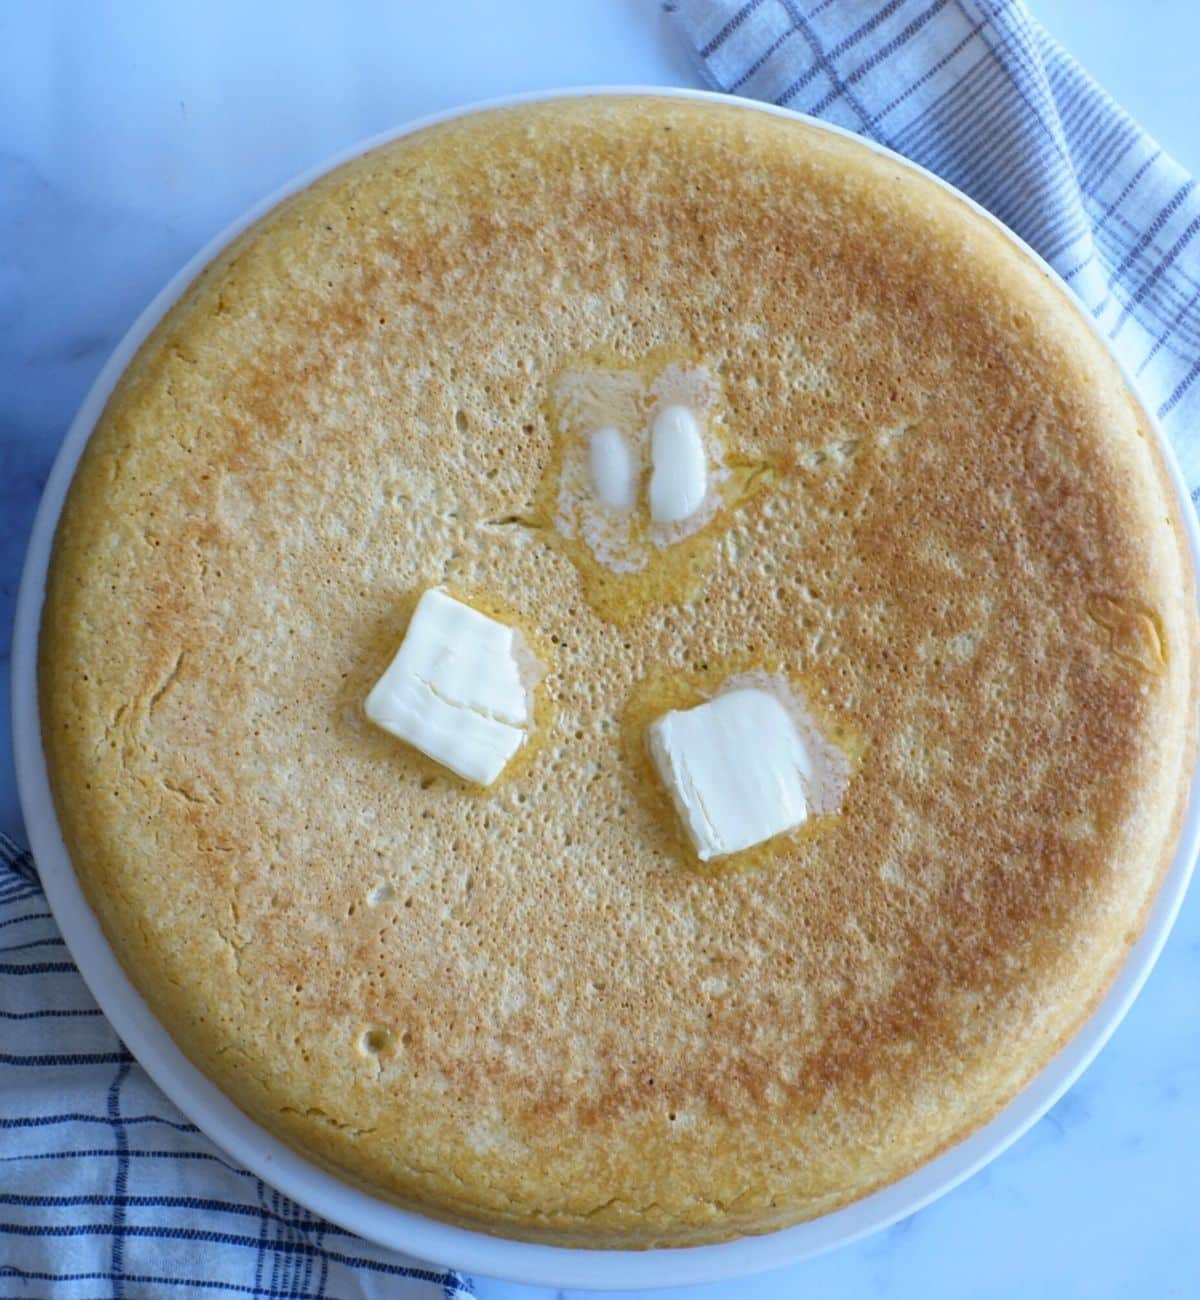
969, 555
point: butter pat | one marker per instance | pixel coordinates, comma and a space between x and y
612, 469
459, 689
679, 474
737, 769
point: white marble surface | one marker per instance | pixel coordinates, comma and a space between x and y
130, 132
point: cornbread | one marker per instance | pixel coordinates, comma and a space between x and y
529, 1009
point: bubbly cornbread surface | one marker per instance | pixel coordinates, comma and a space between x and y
528, 1008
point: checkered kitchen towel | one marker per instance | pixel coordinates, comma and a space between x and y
977, 92
107, 1191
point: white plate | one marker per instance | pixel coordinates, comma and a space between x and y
400, 1229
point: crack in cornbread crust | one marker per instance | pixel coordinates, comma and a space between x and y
588, 1043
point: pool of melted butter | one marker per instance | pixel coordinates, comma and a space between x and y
622, 394
666, 689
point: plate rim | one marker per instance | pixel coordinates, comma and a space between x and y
390, 1226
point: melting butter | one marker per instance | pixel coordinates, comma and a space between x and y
459, 689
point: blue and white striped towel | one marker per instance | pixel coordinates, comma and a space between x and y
106, 1190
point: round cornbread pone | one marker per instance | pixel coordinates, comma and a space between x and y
528, 1008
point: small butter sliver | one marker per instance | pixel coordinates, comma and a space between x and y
740, 769
459, 688
679, 474
614, 475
